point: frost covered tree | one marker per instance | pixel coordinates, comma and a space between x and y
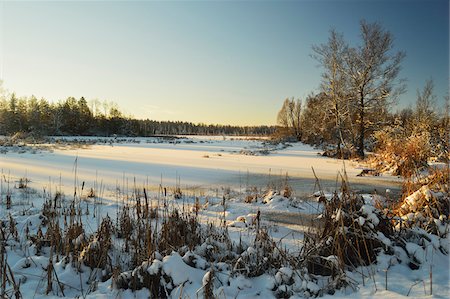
372, 69
358, 85
334, 84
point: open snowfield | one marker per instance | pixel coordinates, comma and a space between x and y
216, 176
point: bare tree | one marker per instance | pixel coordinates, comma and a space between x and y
334, 82
289, 117
373, 71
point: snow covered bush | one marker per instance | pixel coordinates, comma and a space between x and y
259, 258
350, 236
148, 275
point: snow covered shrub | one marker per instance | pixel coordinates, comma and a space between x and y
74, 240
259, 258
148, 275
95, 254
296, 281
217, 246
350, 236
163, 277
355, 232
415, 154
427, 204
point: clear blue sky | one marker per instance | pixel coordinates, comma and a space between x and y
212, 62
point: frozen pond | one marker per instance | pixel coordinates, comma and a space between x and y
204, 163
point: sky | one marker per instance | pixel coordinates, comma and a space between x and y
227, 62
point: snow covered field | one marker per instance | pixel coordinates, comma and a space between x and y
222, 181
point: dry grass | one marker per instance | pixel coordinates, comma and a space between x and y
401, 155
179, 230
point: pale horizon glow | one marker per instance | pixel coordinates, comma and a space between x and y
209, 62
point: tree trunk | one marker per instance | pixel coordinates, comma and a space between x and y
361, 129
339, 130
339, 150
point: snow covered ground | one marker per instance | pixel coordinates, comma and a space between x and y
211, 171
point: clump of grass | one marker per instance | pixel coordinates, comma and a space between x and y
179, 230
6, 274
125, 224
345, 153
54, 238
286, 189
259, 258
348, 238
12, 228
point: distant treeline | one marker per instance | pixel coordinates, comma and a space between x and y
78, 117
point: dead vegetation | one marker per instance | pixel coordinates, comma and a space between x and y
400, 154
178, 231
